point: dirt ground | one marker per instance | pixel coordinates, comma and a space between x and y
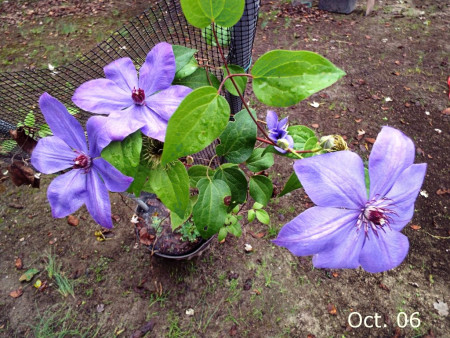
397, 64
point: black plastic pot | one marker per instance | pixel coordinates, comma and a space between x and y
338, 6
162, 243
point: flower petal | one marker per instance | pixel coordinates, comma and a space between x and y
404, 193
97, 200
317, 229
158, 70
123, 73
154, 127
334, 179
97, 134
52, 155
101, 96
392, 153
113, 178
384, 252
165, 102
271, 120
62, 124
66, 193
123, 123
345, 255
282, 124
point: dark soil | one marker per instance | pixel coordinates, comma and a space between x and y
396, 61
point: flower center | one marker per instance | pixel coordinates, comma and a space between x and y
82, 161
375, 216
138, 96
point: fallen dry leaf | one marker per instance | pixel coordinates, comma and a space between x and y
145, 238
73, 220
116, 218
446, 111
383, 287
443, 191
18, 263
370, 140
415, 227
258, 235
21, 174
332, 309
442, 308
335, 274
315, 125
23, 140
358, 120
16, 293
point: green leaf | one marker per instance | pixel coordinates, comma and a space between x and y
283, 78
223, 232
367, 181
223, 35
263, 216
257, 206
259, 160
235, 229
198, 79
300, 134
251, 215
197, 172
238, 139
201, 13
171, 184
241, 81
292, 184
44, 130
261, 189
176, 221
7, 146
210, 211
311, 144
183, 56
140, 177
236, 181
28, 275
187, 70
125, 155
29, 120
198, 121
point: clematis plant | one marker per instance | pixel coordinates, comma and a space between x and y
158, 122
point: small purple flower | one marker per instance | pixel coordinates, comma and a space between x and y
132, 104
348, 229
278, 130
91, 176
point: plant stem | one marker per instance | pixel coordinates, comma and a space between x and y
230, 76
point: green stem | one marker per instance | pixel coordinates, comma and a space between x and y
229, 77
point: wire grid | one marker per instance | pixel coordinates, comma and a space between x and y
20, 91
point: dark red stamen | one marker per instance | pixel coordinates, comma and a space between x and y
82, 161
138, 96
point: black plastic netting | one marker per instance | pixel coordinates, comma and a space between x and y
20, 91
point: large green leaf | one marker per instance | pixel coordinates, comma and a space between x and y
140, 177
201, 13
198, 79
125, 155
261, 189
300, 134
183, 56
292, 184
197, 172
187, 70
260, 160
199, 120
238, 138
283, 78
171, 184
210, 211
311, 144
237, 182
241, 81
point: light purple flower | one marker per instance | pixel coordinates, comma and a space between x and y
132, 104
348, 229
91, 177
278, 130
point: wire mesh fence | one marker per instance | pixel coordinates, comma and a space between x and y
164, 21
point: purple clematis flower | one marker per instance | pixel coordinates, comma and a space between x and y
278, 130
91, 178
348, 229
132, 104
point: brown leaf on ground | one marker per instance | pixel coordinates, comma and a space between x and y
383, 287
73, 220
370, 140
258, 235
446, 111
415, 227
116, 218
18, 263
311, 336
21, 174
315, 125
332, 309
233, 330
443, 191
145, 238
143, 330
16, 293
